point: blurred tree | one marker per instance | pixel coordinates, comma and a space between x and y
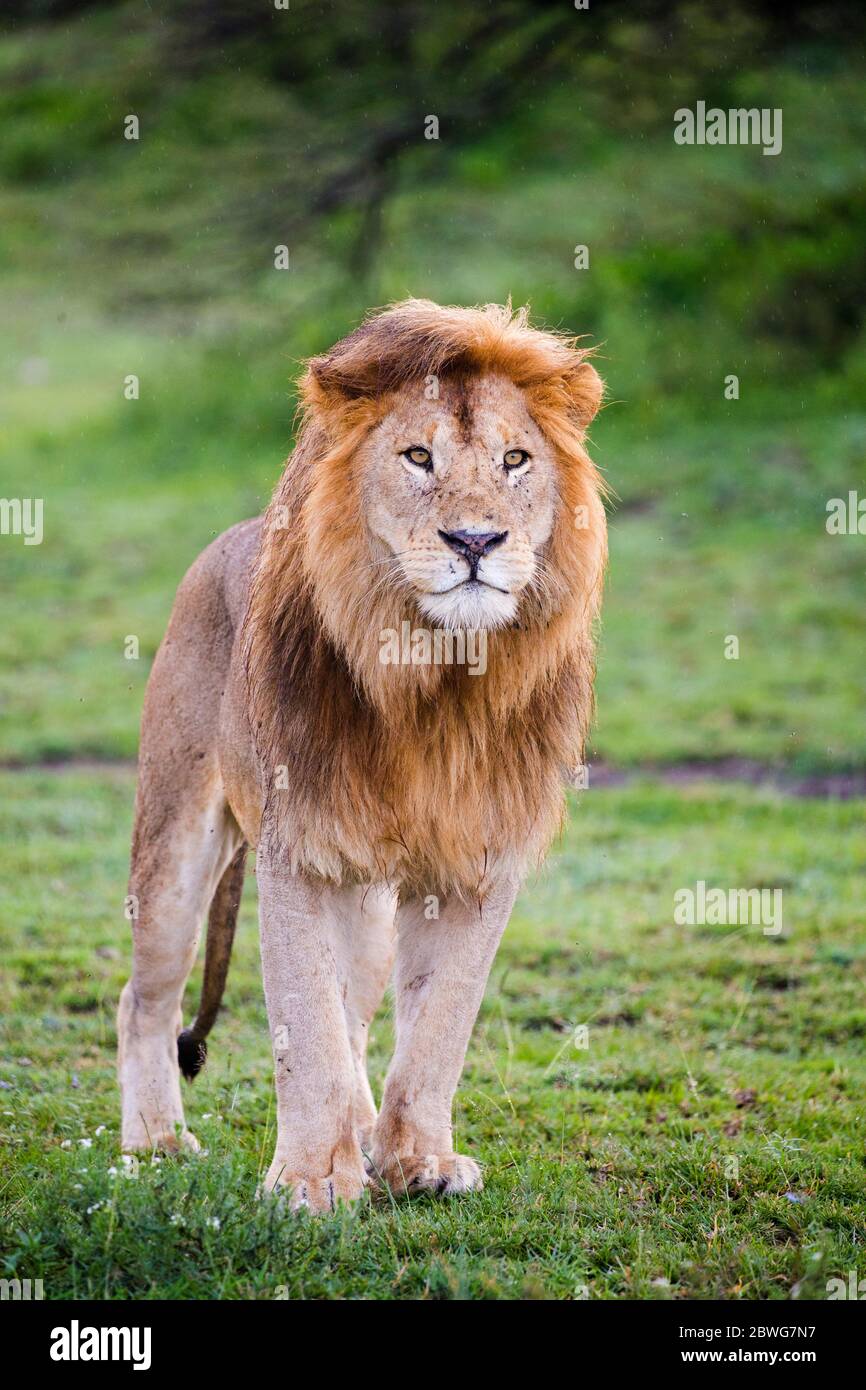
372, 70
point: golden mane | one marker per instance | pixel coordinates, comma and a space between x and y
419, 775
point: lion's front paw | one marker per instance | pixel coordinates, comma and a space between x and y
315, 1194
444, 1174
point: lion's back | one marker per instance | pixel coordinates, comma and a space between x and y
221, 573
190, 674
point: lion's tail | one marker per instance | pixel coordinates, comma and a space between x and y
221, 921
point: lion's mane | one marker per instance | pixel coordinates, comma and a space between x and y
424, 776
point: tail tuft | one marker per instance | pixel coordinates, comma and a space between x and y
191, 1053
221, 919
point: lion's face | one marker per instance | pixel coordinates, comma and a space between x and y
459, 494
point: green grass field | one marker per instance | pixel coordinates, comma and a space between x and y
708, 1142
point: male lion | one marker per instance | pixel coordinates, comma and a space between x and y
440, 479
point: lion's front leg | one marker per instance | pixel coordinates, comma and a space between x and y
442, 969
365, 940
318, 1157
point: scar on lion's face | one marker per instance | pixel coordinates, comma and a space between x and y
460, 494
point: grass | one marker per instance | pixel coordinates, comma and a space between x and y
706, 1143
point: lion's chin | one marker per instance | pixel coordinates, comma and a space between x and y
469, 606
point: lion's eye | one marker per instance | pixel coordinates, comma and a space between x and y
420, 456
515, 458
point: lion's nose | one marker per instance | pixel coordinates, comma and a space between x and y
472, 545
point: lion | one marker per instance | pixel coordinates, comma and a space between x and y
440, 480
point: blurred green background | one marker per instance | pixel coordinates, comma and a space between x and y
709, 1143
305, 128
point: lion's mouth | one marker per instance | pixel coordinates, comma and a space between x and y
472, 581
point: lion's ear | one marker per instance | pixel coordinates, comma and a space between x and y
586, 391
370, 361
340, 376
337, 391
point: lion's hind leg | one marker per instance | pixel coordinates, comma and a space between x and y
175, 873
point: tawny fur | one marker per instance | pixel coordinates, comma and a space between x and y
270, 720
